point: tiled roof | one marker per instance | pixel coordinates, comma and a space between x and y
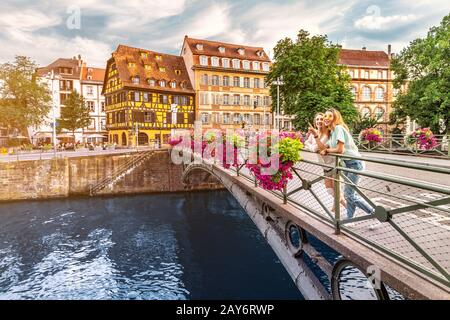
64, 63
211, 48
364, 58
125, 55
95, 74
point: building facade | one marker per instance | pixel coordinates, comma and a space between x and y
229, 82
371, 82
63, 77
148, 94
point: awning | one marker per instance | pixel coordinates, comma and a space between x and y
94, 135
64, 135
42, 135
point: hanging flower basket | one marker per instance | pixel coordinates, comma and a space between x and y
289, 147
371, 137
422, 138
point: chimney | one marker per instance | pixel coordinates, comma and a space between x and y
364, 48
389, 49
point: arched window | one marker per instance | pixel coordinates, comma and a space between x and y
365, 112
353, 91
162, 83
367, 93
173, 84
379, 93
135, 79
379, 112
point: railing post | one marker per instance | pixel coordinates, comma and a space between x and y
285, 195
337, 196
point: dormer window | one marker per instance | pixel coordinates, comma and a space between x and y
162, 69
144, 55
259, 53
147, 67
204, 60
246, 64
199, 46
162, 83
236, 64
215, 61
177, 72
158, 57
151, 82
135, 79
241, 51
222, 49
183, 85
173, 85
131, 64
256, 65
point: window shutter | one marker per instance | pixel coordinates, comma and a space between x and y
169, 117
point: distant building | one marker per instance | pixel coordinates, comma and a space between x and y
371, 82
147, 95
72, 75
229, 82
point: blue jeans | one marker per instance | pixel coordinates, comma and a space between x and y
350, 195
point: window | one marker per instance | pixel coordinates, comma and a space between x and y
215, 80
90, 106
91, 125
137, 96
102, 106
147, 67
177, 72
226, 81
205, 118
203, 98
203, 60
256, 83
353, 91
226, 118
247, 100
173, 84
145, 97
236, 63
162, 83
380, 74
379, 112
225, 62
90, 90
267, 119
236, 99
366, 93
162, 69
204, 80
266, 101
199, 46
246, 82
351, 73
65, 70
65, 85
379, 93
135, 80
256, 65
158, 57
131, 64
226, 99
395, 92
222, 49
215, 117
163, 99
246, 64
258, 101
247, 118
103, 124
241, 51
151, 82
365, 112
149, 116
257, 119
237, 118
366, 74
144, 55
215, 61
236, 81
266, 66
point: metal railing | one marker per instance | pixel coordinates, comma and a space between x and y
410, 221
395, 143
120, 172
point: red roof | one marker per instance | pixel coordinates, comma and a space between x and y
364, 58
92, 74
211, 48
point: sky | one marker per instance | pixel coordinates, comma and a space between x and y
49, 29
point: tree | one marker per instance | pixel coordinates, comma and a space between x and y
75, 114
313, 79
24, 102
424, 66
364, 122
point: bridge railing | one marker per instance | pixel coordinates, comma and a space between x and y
411, 218
395, 143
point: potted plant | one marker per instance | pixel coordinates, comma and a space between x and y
422, 138
370, 137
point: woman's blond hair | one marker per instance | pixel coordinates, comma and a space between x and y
337, 119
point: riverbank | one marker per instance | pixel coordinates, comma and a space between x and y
75, 176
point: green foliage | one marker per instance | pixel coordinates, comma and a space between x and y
290, 149
425, 67
75, 114
313, 79
24, 102
364, 122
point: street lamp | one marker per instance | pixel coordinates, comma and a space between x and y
52, 78
279, 82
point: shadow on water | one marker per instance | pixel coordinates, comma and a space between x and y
172, 246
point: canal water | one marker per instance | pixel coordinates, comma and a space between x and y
173, 246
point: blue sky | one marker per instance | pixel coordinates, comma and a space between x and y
48, 29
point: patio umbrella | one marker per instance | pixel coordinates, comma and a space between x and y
64, 135
94, 135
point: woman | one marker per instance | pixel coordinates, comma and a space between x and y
316, 141
341, 142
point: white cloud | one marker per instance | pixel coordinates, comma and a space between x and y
379, 22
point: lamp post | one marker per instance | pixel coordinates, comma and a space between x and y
52, 78
278, 83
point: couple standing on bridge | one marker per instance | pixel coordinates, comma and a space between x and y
331, 135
